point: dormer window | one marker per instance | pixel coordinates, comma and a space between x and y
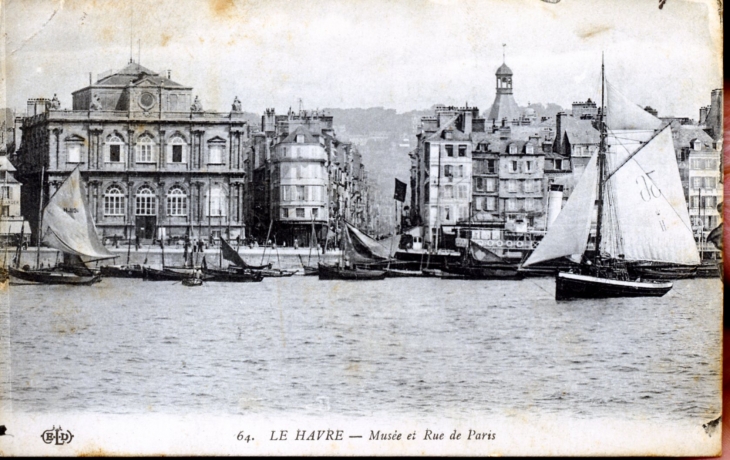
513, 148
697, 145
529, 149
300, 139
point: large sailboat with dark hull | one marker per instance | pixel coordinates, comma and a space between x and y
632, 189
68, 226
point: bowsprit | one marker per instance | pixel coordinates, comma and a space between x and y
57, 436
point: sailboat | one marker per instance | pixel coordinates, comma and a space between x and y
641, 212
358, 249
237, 272
67, 225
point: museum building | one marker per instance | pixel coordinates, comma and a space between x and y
154, 163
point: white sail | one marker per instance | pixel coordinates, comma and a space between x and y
67, 223
568, 235
645, 213
622, 114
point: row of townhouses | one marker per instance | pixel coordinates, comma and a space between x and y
511, 171
157, 165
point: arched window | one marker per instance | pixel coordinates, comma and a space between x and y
145, 202
216, 201
115, 146
177, 202
113, 201
145, 149
176, 153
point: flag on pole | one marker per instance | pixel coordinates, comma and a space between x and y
400, 191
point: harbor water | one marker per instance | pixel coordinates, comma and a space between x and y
407, 346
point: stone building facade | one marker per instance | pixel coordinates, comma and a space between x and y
155, 164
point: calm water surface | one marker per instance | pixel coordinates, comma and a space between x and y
446, 348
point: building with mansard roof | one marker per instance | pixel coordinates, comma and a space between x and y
302, 178
154, 162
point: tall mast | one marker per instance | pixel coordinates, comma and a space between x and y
40, 221
601, 164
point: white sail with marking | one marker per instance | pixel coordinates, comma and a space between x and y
568, 235
645, 213
67, 223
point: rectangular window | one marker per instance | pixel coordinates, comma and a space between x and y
449, 150
177, 152
528, 166
215, 154
6, 192
447, 213
491, 184
694, 201
315, 213
696, 183
528, 204
513, 166
285, 213
491, 166
462, 191
74, 154
177, 205
448, 171
114, 205
511, 205
300, 193
144, 153
449, 191
6, 211
300, 213
491, 203
512, 185
462, 150
285, 193
463, 212
115, 153
710, 182
479, 184
461, 171
145, 205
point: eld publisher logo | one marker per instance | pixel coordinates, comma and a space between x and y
57, 436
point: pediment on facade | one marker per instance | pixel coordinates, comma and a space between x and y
74, 138
216, 140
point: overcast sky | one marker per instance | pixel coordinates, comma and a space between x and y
365, 53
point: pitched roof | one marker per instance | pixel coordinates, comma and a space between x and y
308, 136
687, 133
134, 73
580, 131
504, 106
6, 165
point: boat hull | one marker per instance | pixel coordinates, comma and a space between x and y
474, 272
663, 272
122, 271
53, 277
327, 272
233, 276
153, 274
400, 273
576, 286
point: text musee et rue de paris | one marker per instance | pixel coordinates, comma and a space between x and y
378, 435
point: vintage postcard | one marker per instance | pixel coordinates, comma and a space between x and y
349, 227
